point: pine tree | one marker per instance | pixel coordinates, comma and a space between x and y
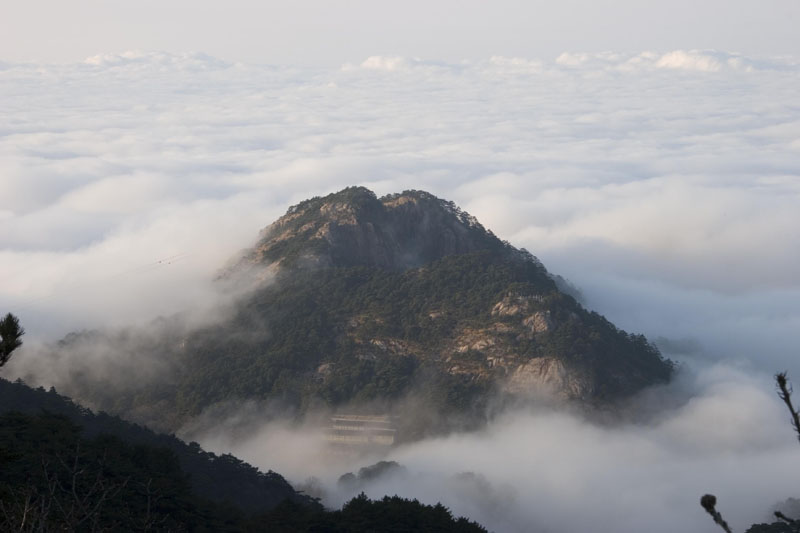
10, 333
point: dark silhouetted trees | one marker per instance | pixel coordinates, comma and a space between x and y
10, 333
64, 468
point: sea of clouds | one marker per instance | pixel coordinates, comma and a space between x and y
665, 186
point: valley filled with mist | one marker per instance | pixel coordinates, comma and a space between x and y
567, 284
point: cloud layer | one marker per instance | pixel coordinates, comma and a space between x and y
664, 185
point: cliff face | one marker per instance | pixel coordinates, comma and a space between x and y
523, 318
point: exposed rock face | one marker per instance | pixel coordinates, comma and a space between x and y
548, 375
538, 322
495, 353
514, 304
353, 227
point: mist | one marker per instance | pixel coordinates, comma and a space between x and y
715, 429
663, 185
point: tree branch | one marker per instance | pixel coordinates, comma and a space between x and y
709, 502
785, 394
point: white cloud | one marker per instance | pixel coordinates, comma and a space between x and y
664, 185
689, 61
517, 64
164, 60
120, 194
385, 63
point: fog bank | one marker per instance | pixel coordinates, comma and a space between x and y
552, 471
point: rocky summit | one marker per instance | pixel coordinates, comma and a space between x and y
354, 228
386, 304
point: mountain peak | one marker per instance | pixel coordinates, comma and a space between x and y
439, 309
353, 227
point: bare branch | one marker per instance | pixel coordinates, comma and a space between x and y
792, 522
709, 503
785, 394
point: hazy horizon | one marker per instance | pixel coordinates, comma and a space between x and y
318, 33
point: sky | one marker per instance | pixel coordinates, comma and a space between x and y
648, 152
323, 33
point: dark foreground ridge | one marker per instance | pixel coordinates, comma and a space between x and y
63, 468
219, 478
